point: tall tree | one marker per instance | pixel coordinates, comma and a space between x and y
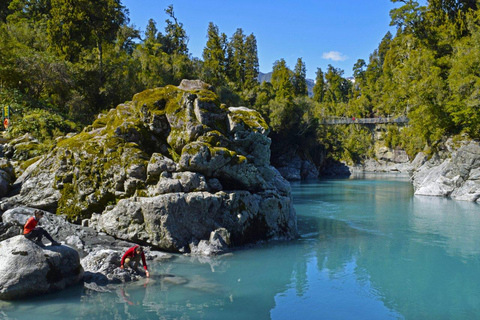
299, 79
251, 62
319, 87
175, 39
238, 59
214, 56
409, 17
337, 88
151, 36
78, 24
282, 80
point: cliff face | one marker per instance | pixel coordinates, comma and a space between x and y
167, 168
454, 173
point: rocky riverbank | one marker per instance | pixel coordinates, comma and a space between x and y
173, 170
85, 256
452, 172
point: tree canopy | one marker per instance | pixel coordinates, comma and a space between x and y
75, 59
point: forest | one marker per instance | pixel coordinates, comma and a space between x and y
64, 62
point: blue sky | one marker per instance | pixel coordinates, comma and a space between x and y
321, 32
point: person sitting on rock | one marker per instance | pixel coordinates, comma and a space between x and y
131, 258
34, 233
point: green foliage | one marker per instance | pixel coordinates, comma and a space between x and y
299, 80
350, 143
77, 24
251, 62
41, 124
392, 137
319, 87
175, 40
337, 89
464, 83
282, 80
77, 58
214, 56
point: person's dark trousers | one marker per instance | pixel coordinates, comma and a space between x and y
37, 234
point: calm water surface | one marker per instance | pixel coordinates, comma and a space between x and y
369, 249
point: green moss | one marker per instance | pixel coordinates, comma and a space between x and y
214, 138
28, 150
65, 204
174, 155
158, 99
251, 118
232, 156
141, 193
207, 96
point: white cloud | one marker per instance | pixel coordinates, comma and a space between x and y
334, 55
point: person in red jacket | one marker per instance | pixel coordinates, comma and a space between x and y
131, 258
34, 233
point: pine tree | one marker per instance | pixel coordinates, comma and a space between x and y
319, 87
214, 56
337, 87
175, 39
299, 80
151, 37
251, 62
237, 44
282, 80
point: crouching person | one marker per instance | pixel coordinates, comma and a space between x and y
131, 258
34, 233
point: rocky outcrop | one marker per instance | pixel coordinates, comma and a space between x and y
295, 166
174, 221
388, 160
453, 172
27, 269
298, 169
83, 239
166, 169
99, 254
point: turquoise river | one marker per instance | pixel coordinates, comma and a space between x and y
368, 249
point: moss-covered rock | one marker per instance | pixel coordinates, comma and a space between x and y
166, 140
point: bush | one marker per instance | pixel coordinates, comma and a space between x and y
41, 124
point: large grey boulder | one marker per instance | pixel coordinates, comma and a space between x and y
27, 269
176, 221
454, 174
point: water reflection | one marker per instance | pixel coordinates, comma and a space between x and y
412, 257
451, 224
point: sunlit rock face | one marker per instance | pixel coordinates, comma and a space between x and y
453, 173
167, 169
26, 269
